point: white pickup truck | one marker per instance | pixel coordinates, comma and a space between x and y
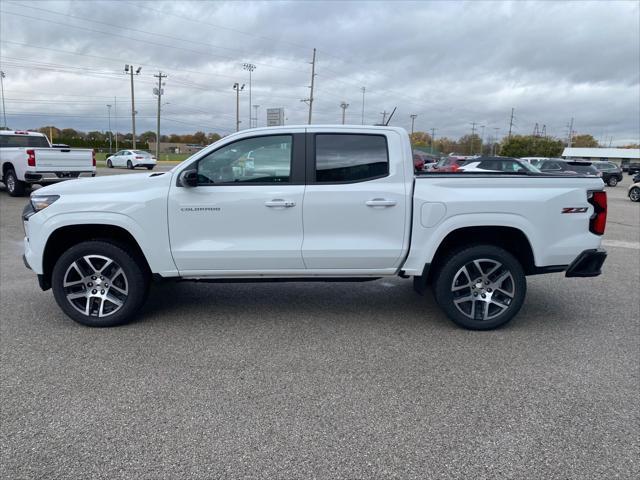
329, 203
28, 157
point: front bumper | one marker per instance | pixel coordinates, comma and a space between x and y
587, 264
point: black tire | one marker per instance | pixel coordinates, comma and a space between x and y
504, 299
612, 182
132, 278
129, 165
109, 164
15, 187
149, 167
634, 194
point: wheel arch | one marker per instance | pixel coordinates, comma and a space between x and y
67, 236
6, 166
512, 239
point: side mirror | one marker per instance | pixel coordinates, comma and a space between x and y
188, 178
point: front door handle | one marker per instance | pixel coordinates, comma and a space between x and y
279, 203
380, 202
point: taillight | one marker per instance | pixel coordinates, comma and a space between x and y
93, 157
598, 220
31, 158
139, 158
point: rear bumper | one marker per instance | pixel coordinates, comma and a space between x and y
53, 177
587, 264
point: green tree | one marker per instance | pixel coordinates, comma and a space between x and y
147, 137
213, 137
200, 138
420, 139
469, 144
584, 141
530, 146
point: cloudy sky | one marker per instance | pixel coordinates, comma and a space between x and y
451, 63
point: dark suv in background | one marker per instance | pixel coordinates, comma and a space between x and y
564, 167
611, 173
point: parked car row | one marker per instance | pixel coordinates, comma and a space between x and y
610, 173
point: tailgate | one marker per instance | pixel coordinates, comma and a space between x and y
63, 160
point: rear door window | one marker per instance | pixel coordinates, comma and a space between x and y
347, 158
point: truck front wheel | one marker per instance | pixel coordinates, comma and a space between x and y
99, 284
15, 187
480, 287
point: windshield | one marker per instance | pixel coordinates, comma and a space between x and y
141, 152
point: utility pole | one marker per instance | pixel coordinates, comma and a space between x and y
413, 121
238, 89
255, 108
511, 123
433, 138
363, 90
309, 100
159, 91
250, 67
4, 109
110, 136
129, 69
473, 132
384, 116
115, 119
343, 106
481, 139
570, 133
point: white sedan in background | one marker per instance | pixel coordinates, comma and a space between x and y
131, 159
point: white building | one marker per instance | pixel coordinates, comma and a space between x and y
621, 156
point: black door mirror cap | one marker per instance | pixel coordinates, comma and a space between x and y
188, 178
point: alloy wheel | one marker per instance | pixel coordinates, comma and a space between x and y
483, 289
96, 286
634, 194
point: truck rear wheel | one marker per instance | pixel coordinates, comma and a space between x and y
99, 284
15, 187
480, 287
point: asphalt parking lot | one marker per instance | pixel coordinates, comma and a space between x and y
324, 380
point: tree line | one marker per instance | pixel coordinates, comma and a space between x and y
514, 146
100, 140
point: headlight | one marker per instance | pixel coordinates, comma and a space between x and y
40, 202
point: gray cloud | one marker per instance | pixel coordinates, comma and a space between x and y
452, 63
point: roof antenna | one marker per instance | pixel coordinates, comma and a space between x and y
394, 111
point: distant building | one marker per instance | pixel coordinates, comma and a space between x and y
621, 156
168, 147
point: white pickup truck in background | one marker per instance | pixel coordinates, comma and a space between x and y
310, 203
28, 157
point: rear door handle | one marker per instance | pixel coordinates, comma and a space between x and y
380, 202
279, 203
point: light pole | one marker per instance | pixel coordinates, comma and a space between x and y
250, 67
110, 137
129, 69
495, 141
159, 91
413, 121
363, 90
238, 89
4, 109
343, 106
115, 119
255, 107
